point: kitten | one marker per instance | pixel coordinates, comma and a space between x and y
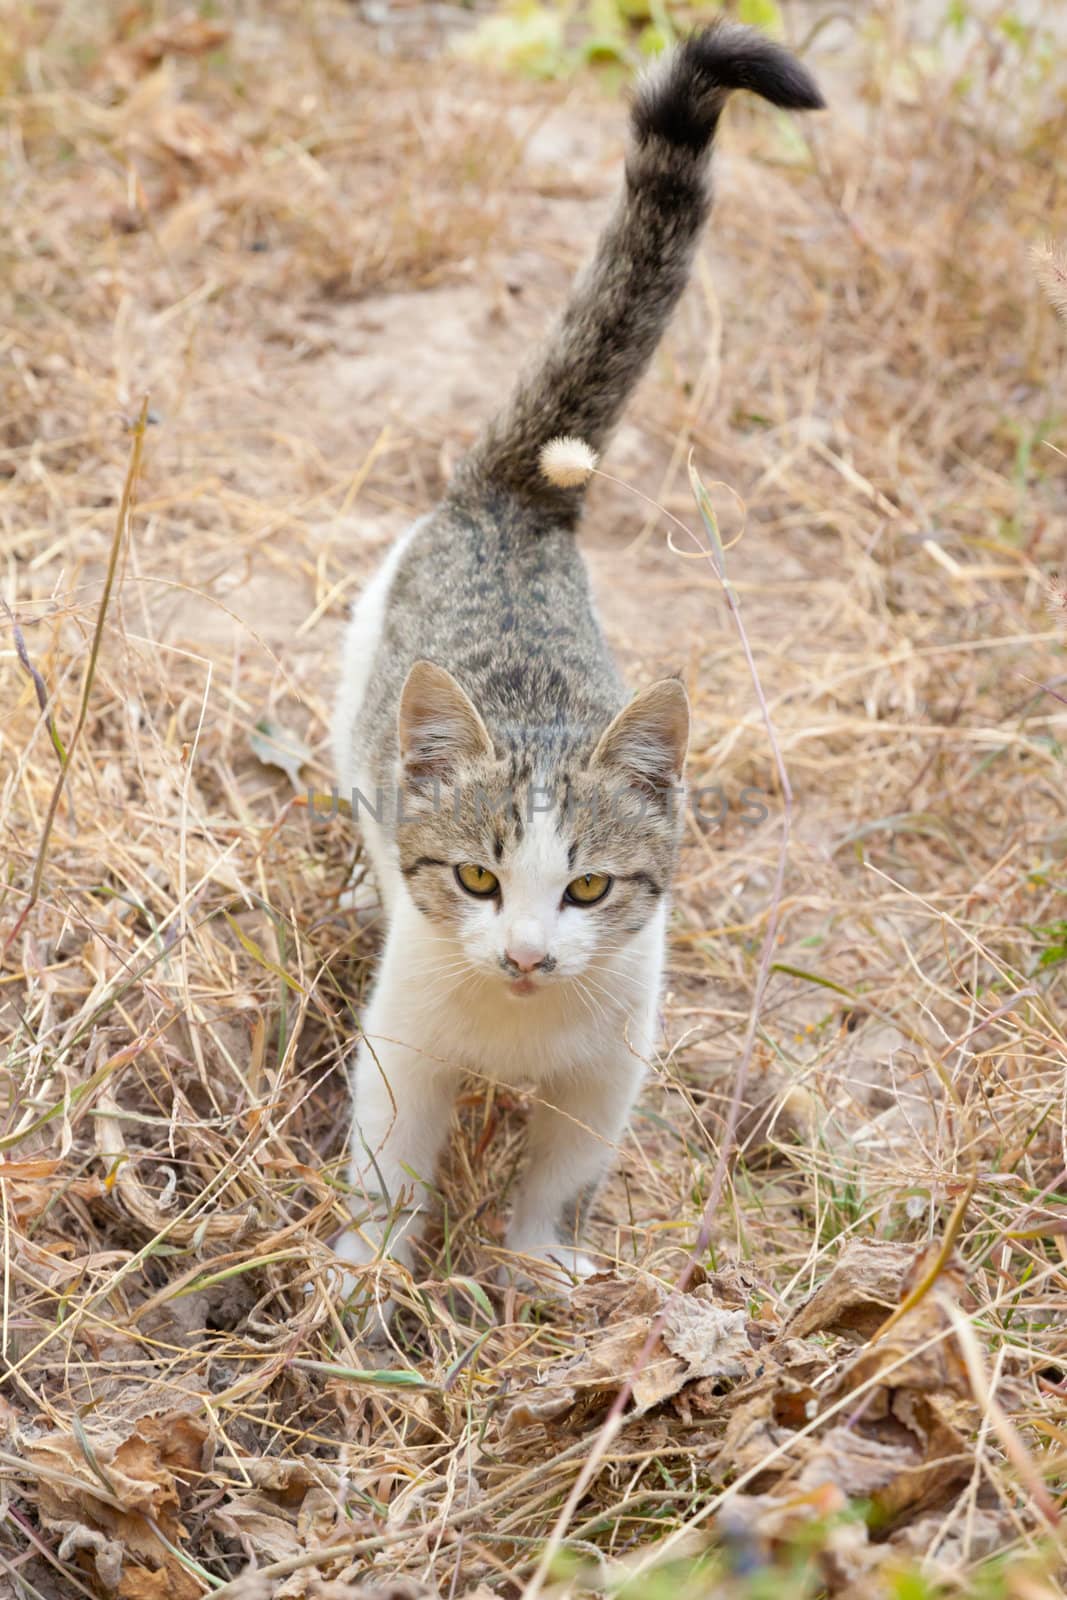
522, 818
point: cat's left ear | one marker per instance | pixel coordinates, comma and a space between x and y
438, 724
649, 737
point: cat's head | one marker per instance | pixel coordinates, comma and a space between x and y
538, 863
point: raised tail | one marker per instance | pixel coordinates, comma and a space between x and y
622, 300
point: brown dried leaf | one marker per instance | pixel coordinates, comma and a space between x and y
187, 34
866, 1284
106, 1553
141, 1465
155, 1583
588, 1381
750, 1525
712, 1342
20, 1170
253, 1586
734, 1285
919, 1353
184, 133
763, 1422
980, 1533
606, 1298
801, 1361
699, 1340
944, 1460
8, 1418
537, 1409
316, 1521
278, 746
610, 1358
290, 1479
141, 1201
259, 1528
855, 1463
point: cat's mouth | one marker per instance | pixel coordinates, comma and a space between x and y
523, 986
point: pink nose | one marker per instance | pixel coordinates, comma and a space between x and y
525, 956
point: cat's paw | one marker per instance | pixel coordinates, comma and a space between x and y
359, 1299
552, 1265
575, 1263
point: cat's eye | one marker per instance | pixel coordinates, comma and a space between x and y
588, 889
477, 881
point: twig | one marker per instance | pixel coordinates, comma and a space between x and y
66, 756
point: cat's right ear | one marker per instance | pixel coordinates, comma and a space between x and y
438, 725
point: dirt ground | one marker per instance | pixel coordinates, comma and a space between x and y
320, 240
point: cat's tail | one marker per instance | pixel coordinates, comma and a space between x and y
622, 300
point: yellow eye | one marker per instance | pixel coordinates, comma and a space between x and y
588, 889
477, 880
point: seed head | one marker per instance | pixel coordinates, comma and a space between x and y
567, 462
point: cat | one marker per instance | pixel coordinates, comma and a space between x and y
522, 816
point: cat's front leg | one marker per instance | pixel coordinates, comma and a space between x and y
574, 1133
402, 1107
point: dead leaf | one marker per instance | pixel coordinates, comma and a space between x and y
141, 1200
699, 1342
605, 1298
180, 131
865, 1285
316, 1521
277, 746
943, 1461
537, 1409
854, 1463
752, 1525
261, 1530
117, 1474
974, 1535
734, 1285
106, 1553
920, 1353
288, 1478
253, 1586
8, 1418
10, 1170
763, 1420
781, 1112
800, 1360
586, 1383
609, 1359
150, 1583
712, 1343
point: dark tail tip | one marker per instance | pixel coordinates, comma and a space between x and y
728, 56
681, 101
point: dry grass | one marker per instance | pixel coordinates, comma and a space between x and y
871, 363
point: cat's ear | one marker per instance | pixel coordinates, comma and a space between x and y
438, 724
648, 739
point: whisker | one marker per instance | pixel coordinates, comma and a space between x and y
600, 1012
